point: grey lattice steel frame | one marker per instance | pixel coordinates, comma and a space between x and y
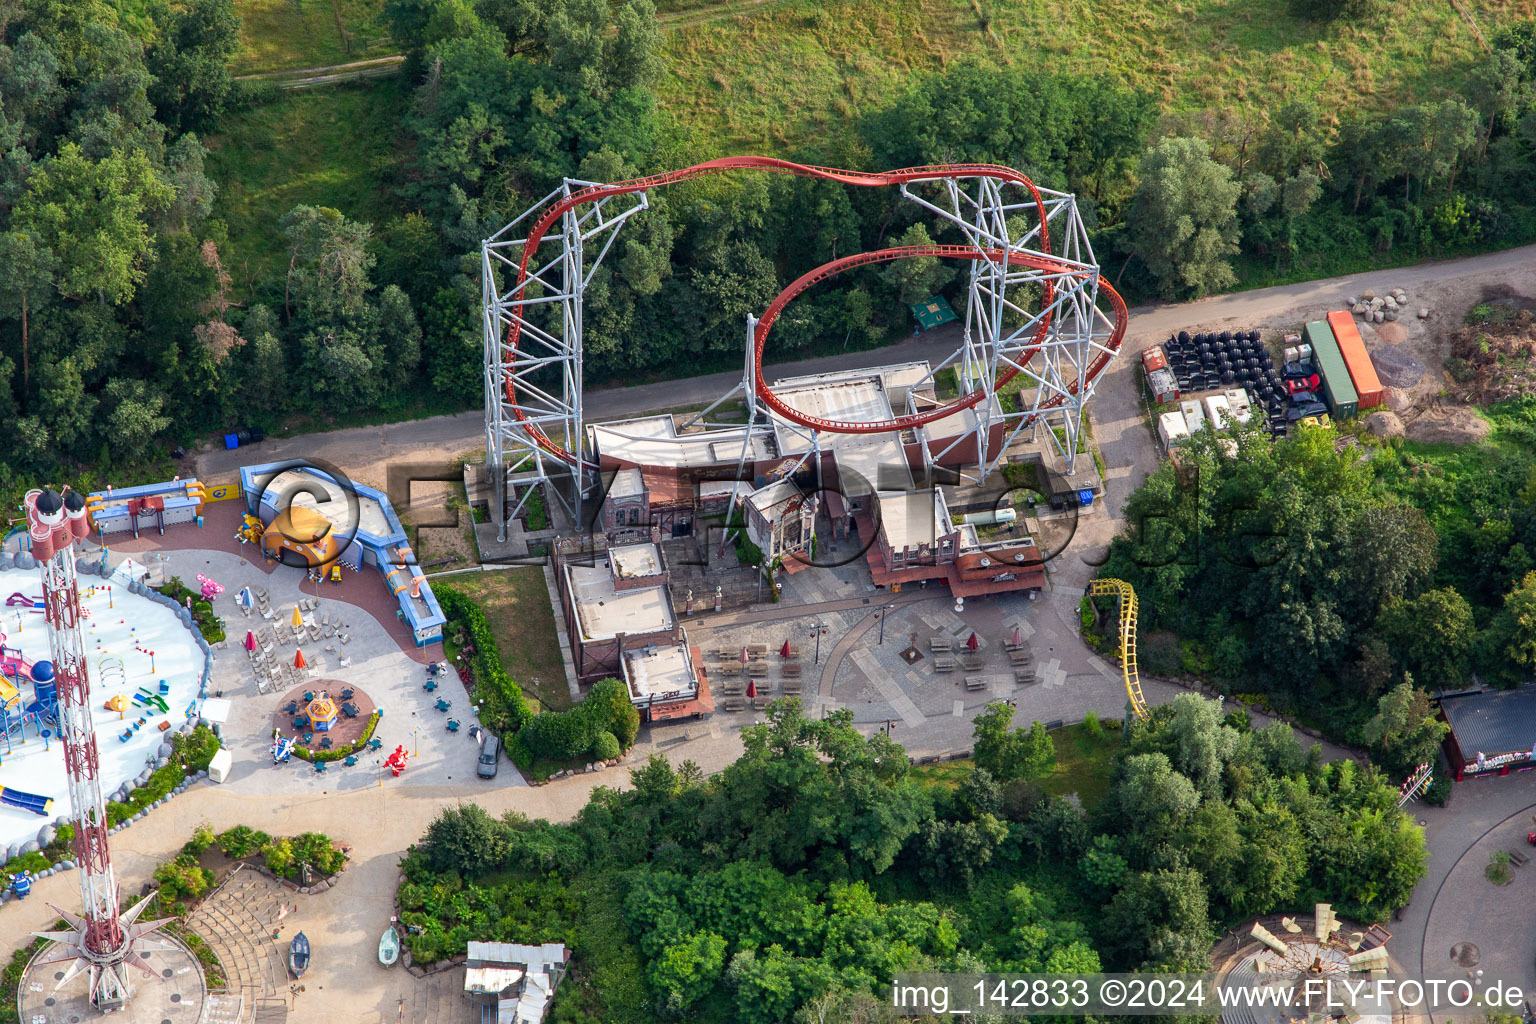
1054, 337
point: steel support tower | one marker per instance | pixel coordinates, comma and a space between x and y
1036, 336
103, 942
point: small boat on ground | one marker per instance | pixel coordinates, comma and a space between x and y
389, 947
298, 955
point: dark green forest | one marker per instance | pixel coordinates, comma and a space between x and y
791, 886
1344, 583
121, 334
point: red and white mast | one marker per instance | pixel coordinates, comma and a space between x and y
104, 941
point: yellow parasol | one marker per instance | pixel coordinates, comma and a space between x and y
298, 619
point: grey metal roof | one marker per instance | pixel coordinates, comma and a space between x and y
1494, 721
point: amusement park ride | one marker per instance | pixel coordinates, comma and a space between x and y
103, 942
1033, 316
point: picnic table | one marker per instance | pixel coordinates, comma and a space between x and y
375, 743
443, 705
977, 682
943, 664
940, 643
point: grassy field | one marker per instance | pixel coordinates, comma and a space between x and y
783, 73
331, 147
516, 604
1082, 765
281, 35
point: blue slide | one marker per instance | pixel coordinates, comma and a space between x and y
12, 797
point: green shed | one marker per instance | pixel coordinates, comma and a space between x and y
932, 312
1343, 401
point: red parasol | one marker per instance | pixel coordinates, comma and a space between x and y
974, 642
743, 655
751, 688
784, 651
1018, 636
250, 640
298, 659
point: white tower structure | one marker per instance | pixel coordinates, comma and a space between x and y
103, 942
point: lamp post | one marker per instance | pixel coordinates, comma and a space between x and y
816, 631
759, 584
882, 613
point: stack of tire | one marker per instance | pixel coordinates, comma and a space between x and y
1227, 360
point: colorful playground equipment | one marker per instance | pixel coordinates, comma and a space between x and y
33, 604
321, 713
16, 713
396, 762
10, 796
211, 588
282, 747
1127, 597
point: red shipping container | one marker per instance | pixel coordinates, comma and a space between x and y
1361, 370
1153, 359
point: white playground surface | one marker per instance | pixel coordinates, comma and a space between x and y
118, 625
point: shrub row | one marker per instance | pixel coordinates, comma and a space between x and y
602, 726
503, 708
283, 856
340, 752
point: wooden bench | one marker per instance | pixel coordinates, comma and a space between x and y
734, 704
731, 687
794, 651
970, 659
757, 650
761, 701
1020, 657
790, 670
726, 655
791, 686
977, 682
943, 664
1024, 676
1009, 645
940, 643
730, 668
756, 669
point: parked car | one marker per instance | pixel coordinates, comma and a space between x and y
1307, 382
490, 756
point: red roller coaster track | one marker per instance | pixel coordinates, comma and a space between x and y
943, 172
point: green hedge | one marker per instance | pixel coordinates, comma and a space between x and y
208, 623
283, 855
607, 710
315, 756
503, 708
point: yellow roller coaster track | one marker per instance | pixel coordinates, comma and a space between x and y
1127, 595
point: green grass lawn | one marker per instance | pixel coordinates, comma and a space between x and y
283, 35
1082, 765
781, 74
327, 147
516, 604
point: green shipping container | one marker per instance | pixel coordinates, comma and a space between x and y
1343, 402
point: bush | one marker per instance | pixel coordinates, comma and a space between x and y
560, 735
182, 879
202, 838
280, 859
606, 747
1092, 726
242, 841
503, 708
